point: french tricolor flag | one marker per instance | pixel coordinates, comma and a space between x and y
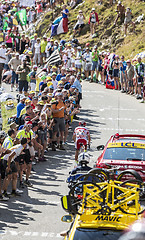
60, 25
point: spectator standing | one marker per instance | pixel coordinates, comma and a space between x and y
43, 47
123, 66
95, 57
33, 78
22, 44
128, 20
80, 23
93, 19
65, 13
120, 12
78, 85
13, 64
2, 60
58, 114
88, 62
22, 71
116, 72
37, 52
129, 72
140, 68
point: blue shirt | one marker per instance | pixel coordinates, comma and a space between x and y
77, 84
122, 69
20, 106
64, 15
59, 76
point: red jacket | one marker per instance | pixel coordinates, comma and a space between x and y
97, 19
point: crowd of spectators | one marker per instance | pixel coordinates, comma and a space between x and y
49, 94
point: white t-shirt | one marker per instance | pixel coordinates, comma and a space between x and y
55, 82
2, 54
37, 47
80, 19
88, 56
17, 149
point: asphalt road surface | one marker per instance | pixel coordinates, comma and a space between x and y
37, 213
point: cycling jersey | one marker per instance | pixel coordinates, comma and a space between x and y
23, 134
81, 133
8, 143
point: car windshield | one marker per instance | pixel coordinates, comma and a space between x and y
96, 234
125, 154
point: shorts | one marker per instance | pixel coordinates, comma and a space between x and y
115, 72
20, 159
83, 141
42, 135
2, 169
27, 156
6, 67
88, 66
23, 84
140, 80
122, 78
50, 133
110, 72
130, 83
94, 66
77, 26
79, 66
43, 54
59, 125
14, 77
105, 72
12, 167
100, 68
32, 86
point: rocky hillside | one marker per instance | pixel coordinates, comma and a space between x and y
109, 37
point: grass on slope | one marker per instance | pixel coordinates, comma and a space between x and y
6, 114
109, 37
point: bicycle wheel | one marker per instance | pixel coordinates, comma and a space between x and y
129, 173
103, 174
76, 194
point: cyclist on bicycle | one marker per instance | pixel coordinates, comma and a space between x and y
81, 136
82, 168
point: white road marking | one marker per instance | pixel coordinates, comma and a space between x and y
32, 234
121, 129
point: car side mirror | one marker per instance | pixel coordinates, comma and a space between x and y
67, 218
100, 147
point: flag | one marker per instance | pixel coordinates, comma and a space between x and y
22, 17
110, 83
5, 25
54, 58
60, 26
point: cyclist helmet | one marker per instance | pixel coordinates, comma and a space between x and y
135, 232
83, 158
82, 123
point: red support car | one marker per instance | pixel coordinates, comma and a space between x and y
124, 151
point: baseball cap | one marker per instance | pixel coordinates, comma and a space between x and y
22, 97
128, 61
54, 73
93, 9
13, 125
17, 54
35, 66
32, 92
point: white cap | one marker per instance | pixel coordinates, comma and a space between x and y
93, 9
17, 54
22, 97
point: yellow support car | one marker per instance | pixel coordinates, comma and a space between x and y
103, 210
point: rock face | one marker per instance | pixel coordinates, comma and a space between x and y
85, 29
